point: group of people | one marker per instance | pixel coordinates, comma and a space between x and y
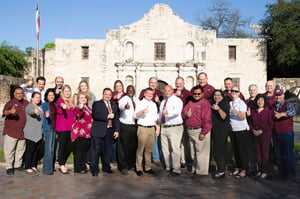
173, 130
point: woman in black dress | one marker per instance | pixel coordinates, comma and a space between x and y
220, 130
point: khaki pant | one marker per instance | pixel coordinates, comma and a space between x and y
13, 151
170, 144
145, 142
200, 150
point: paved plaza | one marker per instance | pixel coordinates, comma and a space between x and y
23, 185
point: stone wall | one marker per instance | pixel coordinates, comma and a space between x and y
6, 88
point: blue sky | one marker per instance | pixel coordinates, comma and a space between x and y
89, 19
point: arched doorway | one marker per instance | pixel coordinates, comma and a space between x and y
161, 86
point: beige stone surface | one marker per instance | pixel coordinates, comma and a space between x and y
128, 54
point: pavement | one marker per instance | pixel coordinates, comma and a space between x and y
22, 185
74, 186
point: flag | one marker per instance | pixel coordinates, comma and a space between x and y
37, 22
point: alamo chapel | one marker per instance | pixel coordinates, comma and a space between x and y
160, 44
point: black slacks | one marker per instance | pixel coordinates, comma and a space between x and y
103, 144
127, 145
31, 153
81, 147
243, 148
219, 139
64, 139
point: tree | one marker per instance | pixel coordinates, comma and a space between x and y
28, 50
12, 60
49, 45
281, 28
227, 21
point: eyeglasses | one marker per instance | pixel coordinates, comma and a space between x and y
197, 93
235, 91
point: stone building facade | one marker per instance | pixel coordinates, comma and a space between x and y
160, 44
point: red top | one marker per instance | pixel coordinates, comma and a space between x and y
201, 115
64, 118
262, 121
271, 100
115, 100
14, 124
185, 95
82, 123
208, 91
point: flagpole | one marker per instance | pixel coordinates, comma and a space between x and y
37, 41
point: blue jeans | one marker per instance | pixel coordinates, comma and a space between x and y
155, 152
49, 152
284, 153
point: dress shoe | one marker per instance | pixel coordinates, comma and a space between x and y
19, 169
165, 171
94, 174
173, 174
108, 171
139, 173
124, 172
182, 165
157, 162
150, 172
10, 171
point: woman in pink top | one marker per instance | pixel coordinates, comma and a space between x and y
80, 133
64, 123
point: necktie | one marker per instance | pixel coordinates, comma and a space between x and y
162, 115
109, 111
133, 103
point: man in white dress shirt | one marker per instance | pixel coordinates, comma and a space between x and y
148, 128
40, 87
127, 141
171, 131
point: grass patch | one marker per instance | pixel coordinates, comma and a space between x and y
296, 119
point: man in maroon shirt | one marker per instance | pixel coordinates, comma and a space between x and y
202, 81
270, 88
198, 122
14, 142
185, 95
228, 84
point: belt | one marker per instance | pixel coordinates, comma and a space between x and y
146, 126
168, 126
128, 124
193, 128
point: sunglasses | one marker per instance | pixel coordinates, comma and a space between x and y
197, 93
235, 91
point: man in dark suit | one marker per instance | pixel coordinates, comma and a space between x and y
106, 125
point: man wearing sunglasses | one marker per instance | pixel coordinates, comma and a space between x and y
198, 121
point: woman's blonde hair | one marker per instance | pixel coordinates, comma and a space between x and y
88, 89
85, 95
71, 105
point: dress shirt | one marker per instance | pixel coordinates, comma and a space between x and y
185, 95
28, 92
149, 118
201, 115
174, 107
127, 115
